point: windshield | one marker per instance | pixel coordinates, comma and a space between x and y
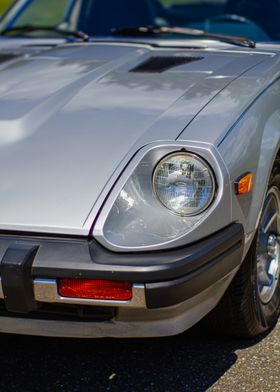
255, 19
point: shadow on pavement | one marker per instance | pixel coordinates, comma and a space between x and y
190, 362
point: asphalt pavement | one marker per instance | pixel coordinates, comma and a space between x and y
194, 361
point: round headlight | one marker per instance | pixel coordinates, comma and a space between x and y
184, 184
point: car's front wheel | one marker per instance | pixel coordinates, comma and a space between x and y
251, 305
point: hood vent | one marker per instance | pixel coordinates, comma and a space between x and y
162, 64
4, 57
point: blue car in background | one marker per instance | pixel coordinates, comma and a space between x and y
30, 26
52, 19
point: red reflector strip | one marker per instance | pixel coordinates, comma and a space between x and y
95, 289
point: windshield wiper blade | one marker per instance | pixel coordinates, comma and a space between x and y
32, 28
153, 30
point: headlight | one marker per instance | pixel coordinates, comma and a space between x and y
184, 184
162, 200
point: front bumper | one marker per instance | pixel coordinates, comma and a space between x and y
164, 283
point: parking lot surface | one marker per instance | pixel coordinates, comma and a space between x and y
194, 361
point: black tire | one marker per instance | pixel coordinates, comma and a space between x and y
241, 312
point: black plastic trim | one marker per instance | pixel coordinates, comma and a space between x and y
81, 258
170, 276
16, 278
170, 293
63, 312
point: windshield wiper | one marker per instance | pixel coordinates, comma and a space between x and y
32, 28
153, 30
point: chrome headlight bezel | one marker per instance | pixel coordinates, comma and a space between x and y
203, 163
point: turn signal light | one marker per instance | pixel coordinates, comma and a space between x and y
244, 184
95, 289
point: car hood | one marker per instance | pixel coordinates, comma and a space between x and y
14, 48
72, 116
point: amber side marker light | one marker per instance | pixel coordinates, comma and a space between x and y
244, 184
95, 289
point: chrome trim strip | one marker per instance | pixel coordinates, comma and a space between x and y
45, 290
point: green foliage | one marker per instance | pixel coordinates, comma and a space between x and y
4, 4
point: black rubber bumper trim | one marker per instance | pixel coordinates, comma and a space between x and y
170, 276
83, 259
16, 278
172, 292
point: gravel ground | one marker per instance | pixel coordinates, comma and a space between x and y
194, 361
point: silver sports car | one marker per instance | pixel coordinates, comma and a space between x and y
140, 168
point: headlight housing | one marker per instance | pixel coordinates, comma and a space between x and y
184, 184
137, 214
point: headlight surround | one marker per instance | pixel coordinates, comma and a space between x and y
133, 218
184, 183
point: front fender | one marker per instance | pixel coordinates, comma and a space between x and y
252, 145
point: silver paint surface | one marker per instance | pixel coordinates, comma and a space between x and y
71, 119
75, 123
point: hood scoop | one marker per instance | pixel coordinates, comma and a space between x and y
162, 64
